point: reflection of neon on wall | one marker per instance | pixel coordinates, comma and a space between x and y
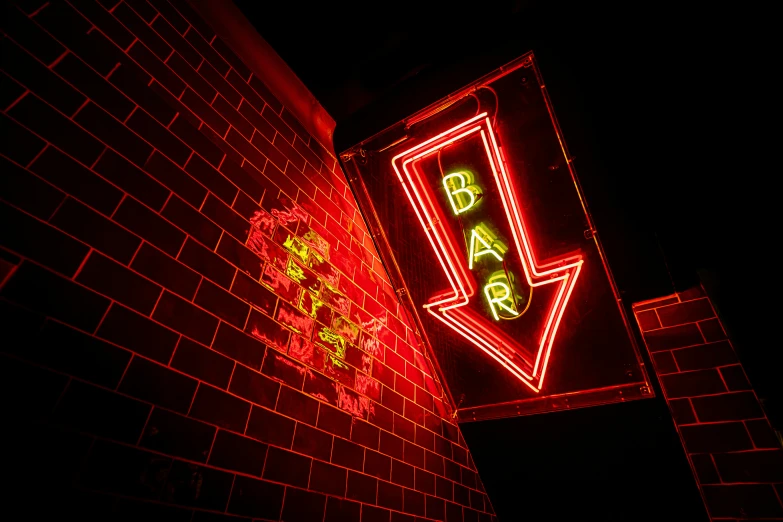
316, 241
315, 305
529, 364
263, 222
299, 323
334, 340
455, 193
295, 272
297, 247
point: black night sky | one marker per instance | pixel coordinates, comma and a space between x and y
663, 108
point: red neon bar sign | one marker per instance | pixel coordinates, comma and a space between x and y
481, 226
453, 306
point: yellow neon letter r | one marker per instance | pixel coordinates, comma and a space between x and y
496, 294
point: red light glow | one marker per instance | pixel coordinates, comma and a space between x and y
527, 364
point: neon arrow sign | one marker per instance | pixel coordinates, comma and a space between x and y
527, 363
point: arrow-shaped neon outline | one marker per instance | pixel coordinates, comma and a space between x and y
450, 307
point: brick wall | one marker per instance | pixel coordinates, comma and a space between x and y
196, 325
734, 454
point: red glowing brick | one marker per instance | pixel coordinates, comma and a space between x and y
254, 387
357, 358
345, 328
267, 250
368, 386
295, 246
426, 439
353, 403
328, 479
344, 259
404, 428
424, 400
382, 372
317, 214
295, 320
340, 371
414, 412
256, 294
393, 400
361, 318
297, 405
315, 308
404, 387
367, 281
280, 284
330, 340
688, 312
395, 362
314, 240
386, 336
283, 369
414, 374
648, 320
324, 232
353, 292
328, 274
339, 302
405, 351
712, 330
265, 329
372, 346
421, 363
263, 222
321, 387
305, 351
334, 421
287, 212
304, 277
336, 224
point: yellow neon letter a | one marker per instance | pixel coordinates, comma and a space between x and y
454, 192
480, 234
495, 297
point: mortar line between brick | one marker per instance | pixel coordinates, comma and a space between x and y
128, 117
155, 306
81, 265
146, 422
62, 394
193, 400
107, 76
31, 15
230, 491
58, 59
168, 126
214, 438
112, 303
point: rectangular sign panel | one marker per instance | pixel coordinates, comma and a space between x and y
476, 210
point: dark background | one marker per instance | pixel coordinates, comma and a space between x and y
665, 109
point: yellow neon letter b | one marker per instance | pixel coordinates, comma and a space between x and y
461, 194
